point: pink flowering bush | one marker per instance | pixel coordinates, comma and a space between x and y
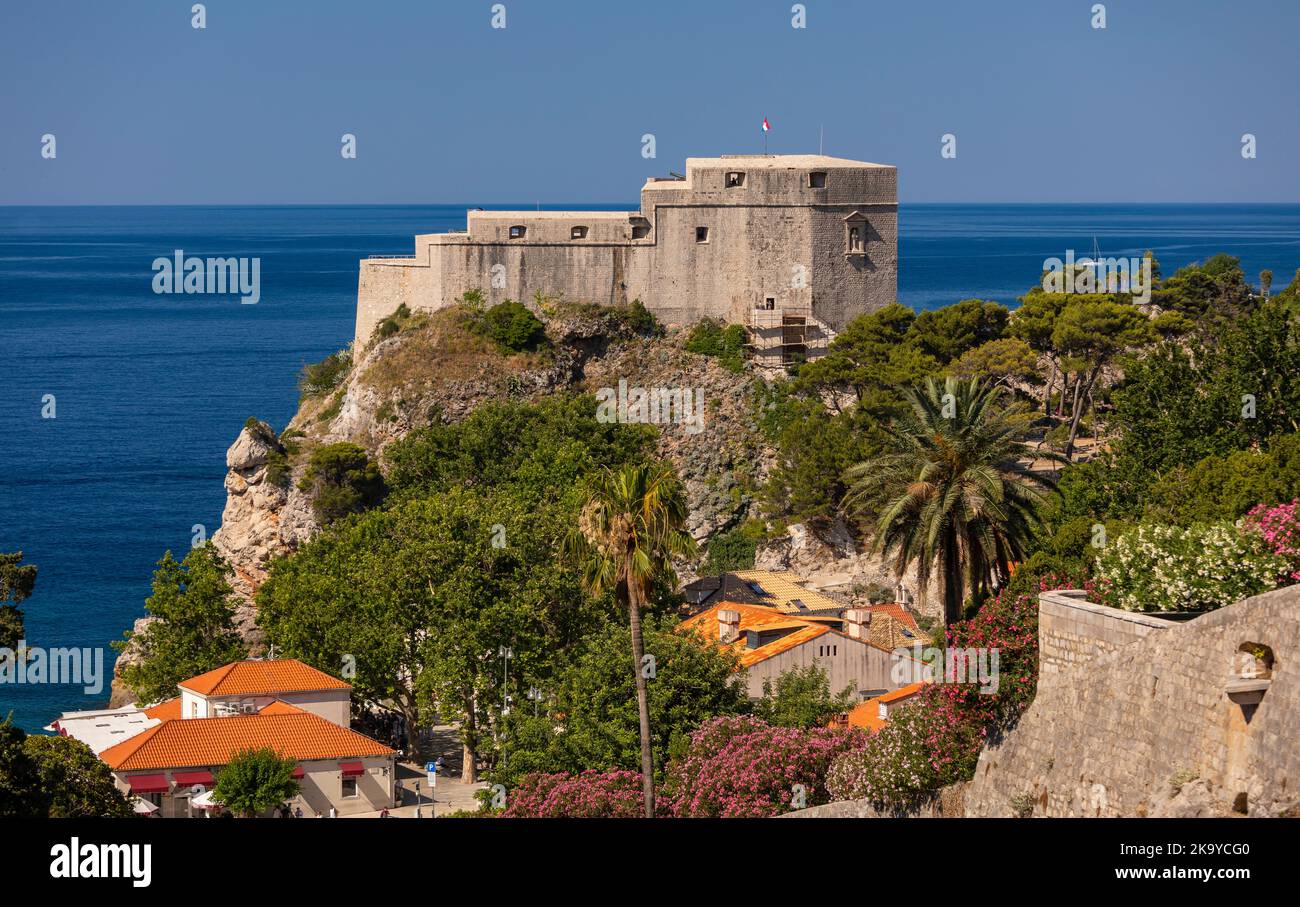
936, 739
1279, 524
742, 767
590, 794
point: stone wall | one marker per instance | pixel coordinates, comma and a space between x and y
1073, 630
775, 237
1158, 726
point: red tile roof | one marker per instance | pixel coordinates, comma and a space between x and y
165, 710
244, 678
759, 617
194, 742
897, 611
866, 714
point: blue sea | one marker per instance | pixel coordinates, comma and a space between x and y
149, 390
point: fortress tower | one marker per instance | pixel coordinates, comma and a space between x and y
794, 246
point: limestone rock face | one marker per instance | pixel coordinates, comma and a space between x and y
250, 523
833, 560
719, 452
118, 694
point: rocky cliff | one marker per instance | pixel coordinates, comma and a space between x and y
431, 370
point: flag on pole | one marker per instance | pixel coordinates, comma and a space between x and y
766, 127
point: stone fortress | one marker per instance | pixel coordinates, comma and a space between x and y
792, 246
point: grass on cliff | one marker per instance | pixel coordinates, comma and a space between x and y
446, 347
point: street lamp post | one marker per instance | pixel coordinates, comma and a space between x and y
506, 654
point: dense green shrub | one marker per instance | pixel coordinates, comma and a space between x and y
726, 343
733, 549
341, 479
511, 326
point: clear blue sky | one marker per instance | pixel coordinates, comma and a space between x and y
148, 110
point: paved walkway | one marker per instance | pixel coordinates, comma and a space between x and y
449, 795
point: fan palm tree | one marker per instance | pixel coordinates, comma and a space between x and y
950, 492
627, 535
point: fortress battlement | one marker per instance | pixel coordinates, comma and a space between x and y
811, 236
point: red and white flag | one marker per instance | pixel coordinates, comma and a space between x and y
766, 127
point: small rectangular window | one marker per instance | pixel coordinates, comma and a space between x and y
640, 229
518, 231
578, 233
701, 234
817, 179
735, 179
349, 787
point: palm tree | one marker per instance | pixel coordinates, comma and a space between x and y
626, 538
950, 492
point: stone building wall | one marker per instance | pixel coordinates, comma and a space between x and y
776, 236
1158, 726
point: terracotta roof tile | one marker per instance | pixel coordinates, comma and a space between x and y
866, 714
165, 710
243, 678
195, 742
760, 617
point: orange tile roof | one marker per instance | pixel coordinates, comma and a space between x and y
866, 714
201, 742
758, 617
279, 707
165, 710
897, 611
901, 693
243, 678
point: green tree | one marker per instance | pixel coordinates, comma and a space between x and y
629, 531
22, 795
951, 492
1003, 360
54, 777
254, 781
16, 583
1035, 323
193, 630
78, 784
1090, 333
1218, 391
947, 333
872, 356
801, 697
592, 719
341, 479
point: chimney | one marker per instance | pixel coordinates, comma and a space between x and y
856, 621
728, 625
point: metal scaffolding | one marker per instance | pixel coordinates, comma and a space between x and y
785, 335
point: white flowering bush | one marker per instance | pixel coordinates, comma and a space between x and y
1169, 568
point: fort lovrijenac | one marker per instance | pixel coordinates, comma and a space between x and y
792, 246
